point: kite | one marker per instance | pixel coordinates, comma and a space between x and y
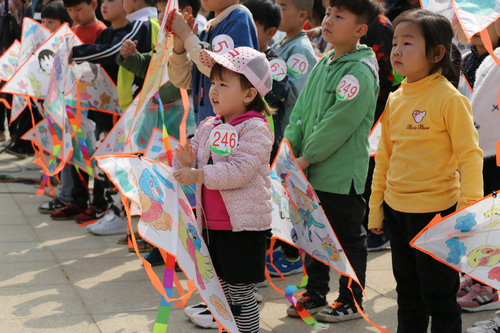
176, 232
467, 240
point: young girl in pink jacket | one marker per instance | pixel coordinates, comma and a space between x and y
228, 158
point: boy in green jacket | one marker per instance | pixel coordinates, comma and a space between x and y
328, 131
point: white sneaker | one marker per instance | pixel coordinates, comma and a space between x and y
189, 311
490, 327
204, 319
109, 224
495, 318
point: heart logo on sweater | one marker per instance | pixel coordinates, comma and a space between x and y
418, 115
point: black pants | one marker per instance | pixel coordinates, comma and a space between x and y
425, 286
345, 213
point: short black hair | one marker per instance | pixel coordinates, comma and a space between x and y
265, 12
366, 10
56, 11
71, 3
195, 5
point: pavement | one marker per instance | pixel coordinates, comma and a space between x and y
57, 277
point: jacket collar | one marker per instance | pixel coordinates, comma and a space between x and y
143, 14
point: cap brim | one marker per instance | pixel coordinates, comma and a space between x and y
209, 59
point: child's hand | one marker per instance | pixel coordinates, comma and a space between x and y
187, 176
185, 155
313, 33
377, 231
181, 25
302, 162
129, 48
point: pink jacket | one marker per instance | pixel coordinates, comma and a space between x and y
242, 177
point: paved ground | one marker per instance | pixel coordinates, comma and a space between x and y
56, 277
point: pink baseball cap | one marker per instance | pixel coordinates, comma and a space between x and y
246, 61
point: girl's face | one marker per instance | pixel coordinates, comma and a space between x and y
112, 10
408, 57
51, 24
227, 96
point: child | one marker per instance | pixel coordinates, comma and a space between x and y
145, 29
337, 107
267, 18
54, 15
233, 193
297, 52
295, 49
428, 162
85, 24
232, 27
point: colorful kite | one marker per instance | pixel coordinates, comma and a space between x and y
168, 222
467, 240
309, 228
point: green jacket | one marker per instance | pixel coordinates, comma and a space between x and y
332, 119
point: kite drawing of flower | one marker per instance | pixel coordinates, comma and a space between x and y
465, 223
23, 85
457, 250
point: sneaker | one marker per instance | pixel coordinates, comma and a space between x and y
204, 319
338, 312
194, 309
142, 246
376, 242
496, 319
51, 206
154, 257
18, 151
258, 296
464, 287
284, 265
68, 212
311, 301
262, 284
109, 224
479, 298
489, 327
92, 213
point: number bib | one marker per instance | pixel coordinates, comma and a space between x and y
297, 64
278, 69
348, 88
222, 43
223, 139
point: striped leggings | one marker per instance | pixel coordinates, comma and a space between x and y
243, 305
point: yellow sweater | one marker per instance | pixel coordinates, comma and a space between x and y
428, 158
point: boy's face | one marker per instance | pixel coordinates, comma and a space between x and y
217, 5
264, 36
83, 13
112, 10
51, 24
340, 26
291, 17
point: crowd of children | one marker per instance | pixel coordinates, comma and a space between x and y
253, 69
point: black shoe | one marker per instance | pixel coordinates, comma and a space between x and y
311, 301
19, 151
338, 312
154, 257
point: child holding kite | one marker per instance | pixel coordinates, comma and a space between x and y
428, 162
229, 160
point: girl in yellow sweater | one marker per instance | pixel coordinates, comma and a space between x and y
428, 162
